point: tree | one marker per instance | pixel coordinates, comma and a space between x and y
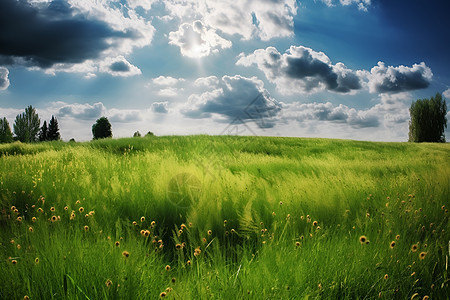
43, 133
149, 134
101, 129
137, 134
53, 130
26, 125
428, 120
5, 131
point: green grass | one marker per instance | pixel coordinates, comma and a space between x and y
255, 195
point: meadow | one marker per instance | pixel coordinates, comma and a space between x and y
224, 217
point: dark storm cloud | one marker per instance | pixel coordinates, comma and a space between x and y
50, 33
236, 97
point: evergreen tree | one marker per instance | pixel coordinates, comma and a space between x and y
26, 125
5, 131
102, 128
137, 134
43, 133
428, 120
53, 130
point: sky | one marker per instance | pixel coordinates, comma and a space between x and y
316, 68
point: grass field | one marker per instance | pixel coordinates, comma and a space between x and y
225, 217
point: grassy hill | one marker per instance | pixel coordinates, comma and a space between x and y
224, 217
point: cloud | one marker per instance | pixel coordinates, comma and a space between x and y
211, 81
167, 80
446, 93
168, 85
263, 19
145, 4
119, 66
362, 4
235, 97
302, 70
197, 40
160, 107
80, 111
390, 79
124, 115
169, 92
306, 112
4, 80
59, 33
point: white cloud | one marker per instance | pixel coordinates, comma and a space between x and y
210, 81
305, 112
167, 80
196, 40
264, 19
114, 66
145, 4
446, 94
124, 115
362, 4
169, 92
4, 80
302, 70
389, 79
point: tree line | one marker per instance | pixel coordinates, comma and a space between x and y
27, 128
427, 124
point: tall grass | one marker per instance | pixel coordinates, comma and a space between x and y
246, 208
